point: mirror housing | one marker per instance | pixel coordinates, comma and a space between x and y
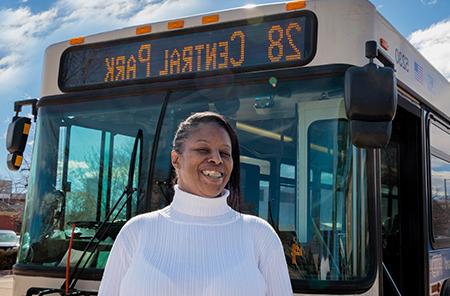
370, 102
16, 140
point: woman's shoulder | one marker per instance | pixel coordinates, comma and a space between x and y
258, 225
137, 224
140, 220
261, 232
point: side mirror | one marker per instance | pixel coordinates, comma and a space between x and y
370, 101
16, 140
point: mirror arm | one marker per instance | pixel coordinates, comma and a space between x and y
374, 52
32, 102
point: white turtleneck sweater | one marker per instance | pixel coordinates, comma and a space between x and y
196, 246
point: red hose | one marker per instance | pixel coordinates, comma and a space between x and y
68, 259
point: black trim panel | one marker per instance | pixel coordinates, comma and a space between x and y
54, 272
423, 100
193, 83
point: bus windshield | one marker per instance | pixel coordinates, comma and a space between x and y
299, 171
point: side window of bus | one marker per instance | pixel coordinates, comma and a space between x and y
440, 180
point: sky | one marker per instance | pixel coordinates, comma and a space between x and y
28, 26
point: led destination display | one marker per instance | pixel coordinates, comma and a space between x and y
234, 47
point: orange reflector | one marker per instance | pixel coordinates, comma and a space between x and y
77, 40
210, 19
26, 129
143, 29
175, 24
18, 161
384, 43
296, 5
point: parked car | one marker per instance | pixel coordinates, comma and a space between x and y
8, 240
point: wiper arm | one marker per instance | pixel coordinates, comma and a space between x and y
102, 229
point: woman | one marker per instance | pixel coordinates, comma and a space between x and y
199, 245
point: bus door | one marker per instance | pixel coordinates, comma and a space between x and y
325, 203
402, 204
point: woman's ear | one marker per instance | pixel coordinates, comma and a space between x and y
175, 158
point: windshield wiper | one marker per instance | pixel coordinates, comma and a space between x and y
101, 231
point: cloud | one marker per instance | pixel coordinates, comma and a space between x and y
434, 44
74, 164
429, 2
21, 32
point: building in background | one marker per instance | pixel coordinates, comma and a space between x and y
11, 207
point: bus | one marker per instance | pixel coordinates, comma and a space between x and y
344, 130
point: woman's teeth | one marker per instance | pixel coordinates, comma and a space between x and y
213, 174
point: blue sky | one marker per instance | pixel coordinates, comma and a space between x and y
409, 16
29, 26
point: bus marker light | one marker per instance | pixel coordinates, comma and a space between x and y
295, 5
384, 43
143, 29
26, 128
175, 24
18, 161
76, 40
209, 19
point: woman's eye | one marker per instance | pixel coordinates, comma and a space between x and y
226, 154
203, 150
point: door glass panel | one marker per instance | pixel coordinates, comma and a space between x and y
83, 174
440, 181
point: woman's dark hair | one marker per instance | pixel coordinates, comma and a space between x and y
185, 130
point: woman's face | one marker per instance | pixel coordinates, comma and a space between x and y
205, 163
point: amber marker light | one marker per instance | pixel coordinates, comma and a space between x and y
76, 41
143, 29
18, 161
294, 5
384, 44
209, 19
175, 24
26, 129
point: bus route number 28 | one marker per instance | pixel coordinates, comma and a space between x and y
276, 51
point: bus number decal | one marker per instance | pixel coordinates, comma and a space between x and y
402, 60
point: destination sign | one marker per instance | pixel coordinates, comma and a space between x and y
234, 47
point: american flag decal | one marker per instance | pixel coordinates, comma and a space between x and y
418, 72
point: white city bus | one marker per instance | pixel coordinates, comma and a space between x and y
356, 215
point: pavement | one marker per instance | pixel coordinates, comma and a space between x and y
6, 285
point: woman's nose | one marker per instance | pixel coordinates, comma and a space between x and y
215, 158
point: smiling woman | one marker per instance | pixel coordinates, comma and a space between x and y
202, 156
199, 245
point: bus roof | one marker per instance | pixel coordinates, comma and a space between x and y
343, 28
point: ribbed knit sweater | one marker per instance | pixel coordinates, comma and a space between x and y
196, 246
